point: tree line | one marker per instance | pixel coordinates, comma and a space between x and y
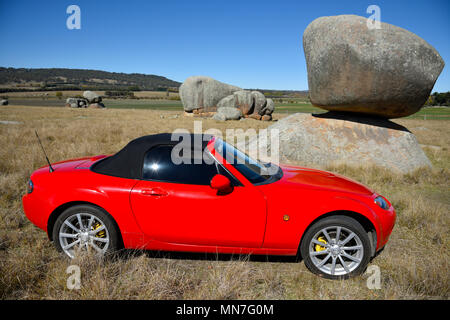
439, 99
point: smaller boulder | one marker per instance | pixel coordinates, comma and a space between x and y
92, 97
82, 103
269, 108
260, 102
227, 113
72, 102
3, 102
227, 102
244, 101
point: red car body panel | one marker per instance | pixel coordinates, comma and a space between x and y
196, 215
73, 182
260, 219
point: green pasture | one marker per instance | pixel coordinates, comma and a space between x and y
426, 113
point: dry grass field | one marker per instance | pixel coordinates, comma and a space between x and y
414, 265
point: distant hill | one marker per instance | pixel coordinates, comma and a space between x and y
61, 79
51, 79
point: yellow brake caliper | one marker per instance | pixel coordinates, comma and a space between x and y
318, 247
100, 234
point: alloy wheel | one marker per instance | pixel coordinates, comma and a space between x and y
83, 231
336, 250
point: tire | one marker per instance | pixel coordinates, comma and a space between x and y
98, 232
320, 243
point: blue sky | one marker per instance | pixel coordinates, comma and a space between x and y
251, 44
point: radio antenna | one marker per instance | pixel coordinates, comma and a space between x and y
48, 161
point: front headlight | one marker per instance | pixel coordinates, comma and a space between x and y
381, 202
30, 186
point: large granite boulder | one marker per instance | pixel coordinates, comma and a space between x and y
92, 97
204, 93
336, 139
387, 72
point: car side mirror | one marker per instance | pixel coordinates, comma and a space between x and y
221, 183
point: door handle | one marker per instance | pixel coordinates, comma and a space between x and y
157, 192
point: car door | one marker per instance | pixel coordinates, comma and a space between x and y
174, 203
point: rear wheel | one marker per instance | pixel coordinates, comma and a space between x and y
336, 247
85, 228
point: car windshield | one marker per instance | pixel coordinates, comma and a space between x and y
254, 170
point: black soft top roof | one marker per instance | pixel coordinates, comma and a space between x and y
128, 162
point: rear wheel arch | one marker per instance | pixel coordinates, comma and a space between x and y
365, 222
59, 210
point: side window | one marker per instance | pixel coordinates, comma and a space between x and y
158, 166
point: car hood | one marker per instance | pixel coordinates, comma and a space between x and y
313, 178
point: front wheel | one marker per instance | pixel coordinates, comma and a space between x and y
336, 247
85, 228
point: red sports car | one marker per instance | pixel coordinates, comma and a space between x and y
217, 199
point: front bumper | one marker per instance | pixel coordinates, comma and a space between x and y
386, 220
34, 210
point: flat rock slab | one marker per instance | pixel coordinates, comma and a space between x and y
10, 122
329, 138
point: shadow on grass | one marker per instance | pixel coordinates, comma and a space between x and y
127, 254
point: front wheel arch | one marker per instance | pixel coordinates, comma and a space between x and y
59, 210
363, 220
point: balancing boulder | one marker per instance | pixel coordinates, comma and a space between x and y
387, 72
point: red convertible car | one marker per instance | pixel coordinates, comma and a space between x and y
217, 199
